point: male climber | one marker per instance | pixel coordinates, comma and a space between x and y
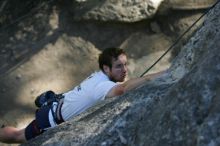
106, 83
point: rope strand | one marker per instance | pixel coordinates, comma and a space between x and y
179, 38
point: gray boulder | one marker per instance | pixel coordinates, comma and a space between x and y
190, 4
131, 10
114, 10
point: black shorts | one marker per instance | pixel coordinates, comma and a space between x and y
39, 124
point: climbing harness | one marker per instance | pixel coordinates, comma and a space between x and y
52, 100
179, 38
56, 111
46, 98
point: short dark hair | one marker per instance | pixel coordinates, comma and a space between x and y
107, 55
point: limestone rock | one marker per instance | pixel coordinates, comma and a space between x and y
129, 10
115, 10
190, 4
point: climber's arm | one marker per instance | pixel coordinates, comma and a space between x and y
131, 84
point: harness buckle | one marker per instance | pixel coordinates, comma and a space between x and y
56, 111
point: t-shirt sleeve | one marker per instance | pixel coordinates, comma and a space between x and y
102, 89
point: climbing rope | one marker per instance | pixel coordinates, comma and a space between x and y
179, 38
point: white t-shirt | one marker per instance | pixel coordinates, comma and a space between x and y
87, 94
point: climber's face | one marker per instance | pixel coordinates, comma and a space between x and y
119, 69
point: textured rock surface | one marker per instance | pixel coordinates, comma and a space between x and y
179, 108
190, 4
131, 10
114, 10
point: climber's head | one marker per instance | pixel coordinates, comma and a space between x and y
113, 62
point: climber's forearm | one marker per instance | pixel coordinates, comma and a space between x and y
136, 82
131, 84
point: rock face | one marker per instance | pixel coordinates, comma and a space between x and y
190, 4
179, 108
131, 10
114, 10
